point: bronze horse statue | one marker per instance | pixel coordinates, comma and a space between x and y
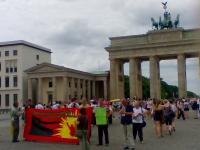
176, 22
154, 24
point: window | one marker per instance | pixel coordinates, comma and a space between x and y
11, 69
76, 84
0, 81
69, 84
0, 100
0, 66
14, 52
50, 84
81, 85
6, 81
7, 70
15, 69
0, 53
37, 57
15, 81
6, 53
7, 100
15, 98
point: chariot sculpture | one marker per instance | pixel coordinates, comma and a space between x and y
166, 22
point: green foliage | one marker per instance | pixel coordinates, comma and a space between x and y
167, 91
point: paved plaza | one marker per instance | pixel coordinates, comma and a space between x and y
186, 138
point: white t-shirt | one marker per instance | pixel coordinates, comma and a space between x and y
39, 106
55, 106
173, 107
138, 118
73, 105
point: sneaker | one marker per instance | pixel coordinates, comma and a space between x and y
141, 142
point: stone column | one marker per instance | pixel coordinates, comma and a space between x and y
30, 89
182, 83
72, 87
135, 78
78, 89
84, 88
199, 65
113, 79
119, 74
155, 87
65, 89
40, 97
54, 88
105, 89
93, 89
88, 90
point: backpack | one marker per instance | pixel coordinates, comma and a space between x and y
194, 106
169, 112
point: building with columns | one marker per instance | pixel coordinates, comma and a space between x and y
15, 57
154, 46
48, 82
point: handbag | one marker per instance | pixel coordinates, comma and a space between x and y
143, 121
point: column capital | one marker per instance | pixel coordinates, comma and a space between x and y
181, 54
154, 58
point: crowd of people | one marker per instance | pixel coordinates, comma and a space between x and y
133, 114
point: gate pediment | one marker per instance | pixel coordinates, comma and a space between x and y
45, 67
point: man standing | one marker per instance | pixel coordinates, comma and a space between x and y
102, 114
126, 120
15, 114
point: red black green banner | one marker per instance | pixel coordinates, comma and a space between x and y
53, 125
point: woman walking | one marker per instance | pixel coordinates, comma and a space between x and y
168, 116
82, 127
186, 109
138, 120
174, 109
158, 117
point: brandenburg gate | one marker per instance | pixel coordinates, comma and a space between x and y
165, 41
154, 46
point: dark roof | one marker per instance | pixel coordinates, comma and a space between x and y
61, 68
22, 42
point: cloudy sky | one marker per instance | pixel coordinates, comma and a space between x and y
77, 30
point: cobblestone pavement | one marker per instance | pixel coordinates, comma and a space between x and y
187, 137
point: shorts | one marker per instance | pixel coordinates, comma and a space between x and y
168, 121
186, 109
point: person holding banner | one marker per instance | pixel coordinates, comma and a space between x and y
102, 114
82, 127
126, 121
15, 114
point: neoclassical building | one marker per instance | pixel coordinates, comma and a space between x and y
48, 82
